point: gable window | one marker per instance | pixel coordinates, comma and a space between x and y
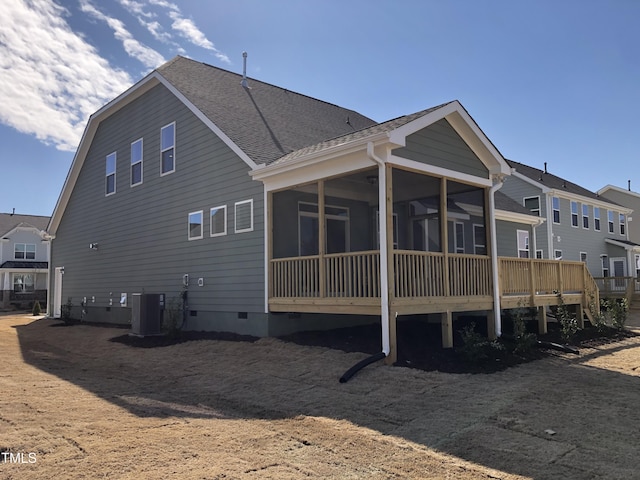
24, 251
167, 149
622, 224
583, 257
605, 265
218, 224
23, 283
610, 219
459, 237
479, 240
243, 216
585, 216
523, 244
110, 180
574, 214
533, 204
596, 218
555, 203
136, 162
195, 225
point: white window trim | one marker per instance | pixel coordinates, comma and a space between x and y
541, 256
224, 232
235, 216
583, 206
580, 257
13, 283
162, 174
575, 215
611, 221
475, 237
557, 254
15, 250
141, 162
527, 247
596, 220
553, 210
107, 175
524, 204
622, 220
201, 212
604, 261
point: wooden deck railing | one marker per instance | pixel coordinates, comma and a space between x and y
427, 274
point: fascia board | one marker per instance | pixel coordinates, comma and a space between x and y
515, 217
543, 188
626, 246
265, 172
439, 171
619, 190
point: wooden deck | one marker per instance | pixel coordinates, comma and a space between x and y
423, 282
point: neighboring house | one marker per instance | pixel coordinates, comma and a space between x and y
631, 200
193, 180
24, 260
580, 225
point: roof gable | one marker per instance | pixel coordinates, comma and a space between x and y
9, 222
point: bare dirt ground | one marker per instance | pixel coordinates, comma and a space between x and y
74, 405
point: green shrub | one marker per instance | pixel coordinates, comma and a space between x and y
619, 312
65, 311
37, 310
568, 321
475, 347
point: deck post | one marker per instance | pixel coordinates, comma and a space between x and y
444, 235
322, 271
269, 238
542, 320
447, 329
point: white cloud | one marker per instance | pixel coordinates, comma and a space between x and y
187, 29
148, 56
51, 78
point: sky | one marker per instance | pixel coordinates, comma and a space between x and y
554, 81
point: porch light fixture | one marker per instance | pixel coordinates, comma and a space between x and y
372, 179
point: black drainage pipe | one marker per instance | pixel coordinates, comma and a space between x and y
557, 346
360, 365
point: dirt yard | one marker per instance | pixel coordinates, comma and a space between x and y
74, 405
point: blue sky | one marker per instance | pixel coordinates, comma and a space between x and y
547, 81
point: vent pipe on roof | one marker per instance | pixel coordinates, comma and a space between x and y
629, 184
244, 71
545, 167
14, 212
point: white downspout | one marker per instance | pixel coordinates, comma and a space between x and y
382, 231
498, 181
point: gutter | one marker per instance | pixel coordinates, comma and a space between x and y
498, 181
384, 272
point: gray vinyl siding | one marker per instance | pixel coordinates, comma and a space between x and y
507, 238
441, 146
142, 232
629, 200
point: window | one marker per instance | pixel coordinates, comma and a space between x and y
555, 202
523, 244
574, 214
637, 262
136, 163
539, 254
583, 257
218, 217
459, 237
622, 224
585, 216
167, 149
110, 167
24, 251
532, 204
610, 218
479, 240
605, 265
23, 283
395, 229
336, 229
596, 218
243, 216
557, 254
195, 225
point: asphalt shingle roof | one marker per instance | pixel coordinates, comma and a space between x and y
10, 221
267, 122
14, 264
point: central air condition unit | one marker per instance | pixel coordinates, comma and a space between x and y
146, 313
